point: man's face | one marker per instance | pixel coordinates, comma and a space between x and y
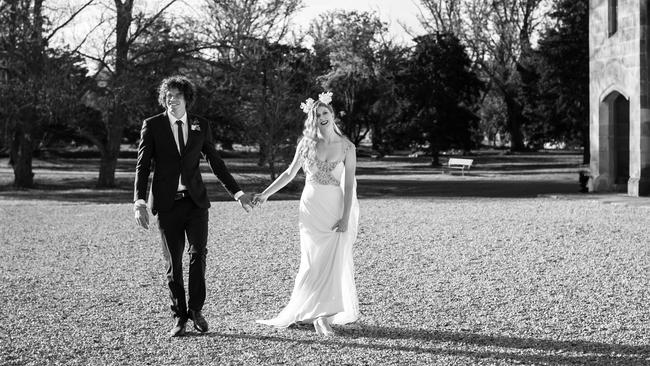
175, 101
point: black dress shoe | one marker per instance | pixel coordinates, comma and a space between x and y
179, 328
200, 323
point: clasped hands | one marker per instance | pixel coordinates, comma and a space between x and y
259, 199
249, 202
246, 201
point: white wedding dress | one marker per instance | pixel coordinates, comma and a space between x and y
324, 285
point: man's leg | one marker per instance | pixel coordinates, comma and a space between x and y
197, 237
173, 242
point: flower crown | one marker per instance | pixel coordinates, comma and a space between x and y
308, 104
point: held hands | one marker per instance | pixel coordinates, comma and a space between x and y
259, 199
141, 215
341, 226
246, 202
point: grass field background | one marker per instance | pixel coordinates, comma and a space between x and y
508, 265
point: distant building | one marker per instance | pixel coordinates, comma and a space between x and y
619, 121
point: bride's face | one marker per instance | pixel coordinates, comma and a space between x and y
324, 119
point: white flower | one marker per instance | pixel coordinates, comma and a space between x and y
325, 97
307, 105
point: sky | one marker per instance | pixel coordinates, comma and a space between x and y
391, 11
394, 12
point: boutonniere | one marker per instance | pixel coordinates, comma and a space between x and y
195, 126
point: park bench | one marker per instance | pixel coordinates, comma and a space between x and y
461, 164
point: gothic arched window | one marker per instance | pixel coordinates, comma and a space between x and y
612, 16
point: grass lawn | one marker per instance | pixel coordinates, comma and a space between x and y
482, 269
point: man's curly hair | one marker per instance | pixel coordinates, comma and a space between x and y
183, 84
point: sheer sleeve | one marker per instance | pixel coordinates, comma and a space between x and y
348, 145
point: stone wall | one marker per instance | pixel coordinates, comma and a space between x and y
619, 63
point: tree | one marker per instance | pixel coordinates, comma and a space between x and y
492, 118
441, 88
66, 112
259, 82
23, 48
351, 40
497, 34
117, 71
28, 83
160, 50
277, 80
231, 25
563, 67
386, 115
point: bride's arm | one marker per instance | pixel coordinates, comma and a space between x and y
350, 169
283, 179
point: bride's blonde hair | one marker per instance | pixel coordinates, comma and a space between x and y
310, 132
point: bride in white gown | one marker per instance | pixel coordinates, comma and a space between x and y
324, 292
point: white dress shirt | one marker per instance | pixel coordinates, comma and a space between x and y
174, 126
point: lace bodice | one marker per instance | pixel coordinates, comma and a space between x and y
321, 172
324, 172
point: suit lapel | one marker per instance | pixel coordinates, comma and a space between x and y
191, 135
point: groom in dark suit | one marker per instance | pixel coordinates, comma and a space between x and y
175, 142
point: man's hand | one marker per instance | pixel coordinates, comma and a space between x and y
246, 202
141, 215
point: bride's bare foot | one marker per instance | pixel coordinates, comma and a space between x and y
322, 327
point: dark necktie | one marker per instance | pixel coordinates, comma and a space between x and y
181, 143
181, 140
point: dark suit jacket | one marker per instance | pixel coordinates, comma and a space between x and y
157, 145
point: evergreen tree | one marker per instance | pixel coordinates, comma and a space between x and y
441, 89
562, 108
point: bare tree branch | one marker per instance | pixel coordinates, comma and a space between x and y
101, 22
69, 20
99, 60
151, 20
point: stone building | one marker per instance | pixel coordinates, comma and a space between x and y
619, 117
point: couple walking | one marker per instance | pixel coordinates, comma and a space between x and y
173, 143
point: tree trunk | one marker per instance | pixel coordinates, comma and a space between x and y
262, 155
107, 165
271, 155
117, 119
435, 158
226, 144
21, 153
272, 170
435, 154
111, 151
22, 144
514, 123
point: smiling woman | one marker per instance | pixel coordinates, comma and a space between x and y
324, 291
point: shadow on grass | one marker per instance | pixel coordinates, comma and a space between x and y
367, 188
554, 352
486, 188
407, 169
74, 180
